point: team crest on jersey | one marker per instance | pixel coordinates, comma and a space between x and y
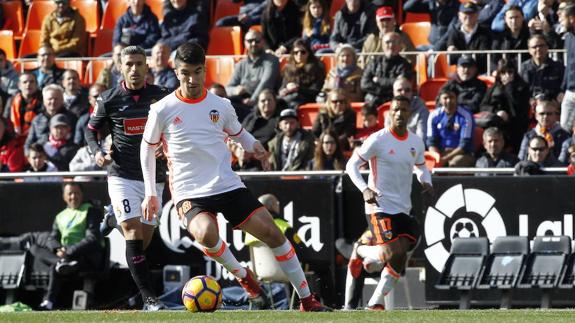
456, 126
412, 152
214, 116
387, 235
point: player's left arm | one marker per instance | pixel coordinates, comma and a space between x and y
421, 172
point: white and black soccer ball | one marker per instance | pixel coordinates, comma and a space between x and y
464, 228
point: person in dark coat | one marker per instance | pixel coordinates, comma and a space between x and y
138, 26
188, 21
281, 25
263, 120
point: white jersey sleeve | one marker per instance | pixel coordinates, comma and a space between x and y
153, 129
368, 149
232, 126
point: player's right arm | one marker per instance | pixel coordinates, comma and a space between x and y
97, 121
358, 158
150, 141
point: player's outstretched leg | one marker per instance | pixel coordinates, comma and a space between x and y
138, 237
203, 228
261, 226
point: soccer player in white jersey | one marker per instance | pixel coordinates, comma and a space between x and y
393, 154
193, 124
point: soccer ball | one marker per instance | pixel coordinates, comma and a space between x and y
202, 294
464, 228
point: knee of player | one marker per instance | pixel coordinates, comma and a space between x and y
205, 233
386, 254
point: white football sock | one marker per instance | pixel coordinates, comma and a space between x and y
369, 252
288, 261
350, 283
222, 254
388, 279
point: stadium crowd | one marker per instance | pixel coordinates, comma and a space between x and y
292, 96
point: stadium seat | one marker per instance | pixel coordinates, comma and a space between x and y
227, 41
545, 264
114, 10
328, 62
335, 6
416, 17
12, 270
157, 7
462, 269
89, 10
76, 65
103, 43
30, 43
14, 17
477, 138
442, 68
37, 11
504, 265
225, 8
256, 27
421, 69
7, 44
356, 106
382, 113
219, 70
429, 89
418, 32
488, 80
93, 70
307, 114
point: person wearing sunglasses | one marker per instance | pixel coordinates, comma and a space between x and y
338, 116
538, 157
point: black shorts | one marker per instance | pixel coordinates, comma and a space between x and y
237, 206
389, 227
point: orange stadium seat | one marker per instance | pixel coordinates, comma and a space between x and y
335, 6
7, 43
416, 17
328, 62
442, 68
103, 43
417, 32
421, 68
93, 70
225, 8
157, 7
76, 65
429, 89
307, 114
356, 106
219, 70
488, 80
114, 10
30, 43
14, 17
89, 10
382, 113
225, 41
37, 11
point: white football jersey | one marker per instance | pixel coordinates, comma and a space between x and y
193, 134
391, 160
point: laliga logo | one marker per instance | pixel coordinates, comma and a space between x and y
170, 226
461, 208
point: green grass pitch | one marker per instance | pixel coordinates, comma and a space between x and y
419, 316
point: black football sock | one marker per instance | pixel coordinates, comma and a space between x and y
138, 265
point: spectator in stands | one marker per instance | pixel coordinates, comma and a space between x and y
257, 71
345, 75
544, 23
65, 31
11, 149
471, 89
75, 95
328, 154
548, 127
219, 90
506, 104
450, 130
293, 147
75, 242
488, 10
317, 26
8, 75
53, 102
243, 160
79, 133
571, 166
470, 35
281, 25
541, 73
538, 156
38, 162
188, 21
60, 146
495, 156
338, 116
250, 14
386, 23
163, 74
111, 75
138, 26
567, 98
369, 125
262, 122
48, 72
25, 104
302, 77
381, 72
352, 24
417, 122
84, 160
442, 14
528, 8
515, 35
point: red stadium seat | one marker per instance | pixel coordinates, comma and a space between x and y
307, 114
76, 65
432, 159
30, 43
89, 10
14, 17
429, 89
418, 32
103, 43
335, 6
488, 80
226, 41
7, 44
114, 10
219, 70
37, 11
442, 68
225, 8
382, 113
416, 17
328, 62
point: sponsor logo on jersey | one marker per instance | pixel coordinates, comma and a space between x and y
123, 108
214, 116
133, 127
184, 208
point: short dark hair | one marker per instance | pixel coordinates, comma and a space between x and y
538, 37
400, 98
368, 110
190, 53
514, 7
72, 184
2, 52
569, 10
448, 88
36, 147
